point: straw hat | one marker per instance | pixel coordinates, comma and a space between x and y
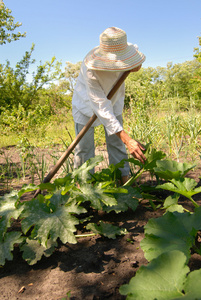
114, 53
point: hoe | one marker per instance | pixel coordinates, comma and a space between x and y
81, 134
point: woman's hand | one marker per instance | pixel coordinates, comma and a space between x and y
134, 147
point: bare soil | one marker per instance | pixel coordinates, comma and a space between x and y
92, 269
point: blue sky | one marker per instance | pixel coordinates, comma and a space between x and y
165, 31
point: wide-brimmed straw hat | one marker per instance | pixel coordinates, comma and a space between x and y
114, 53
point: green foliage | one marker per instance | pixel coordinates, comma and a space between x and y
55, 216
33, 250
149, 87
7, 246
125, 200
10, 209
166, 277
49, 221
197, 76
152, 156
171, 204
169, 169
172, 231
106, 229
71, 73
14, 86
182, 186
167, 244
7, 26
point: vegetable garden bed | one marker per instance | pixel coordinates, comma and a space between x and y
151, 231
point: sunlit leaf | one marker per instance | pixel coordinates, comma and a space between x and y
125, 201
47, 223
8, 209
96, 195
82, 173
169, 169
172, 231
171, 204
184, 186
27, 188
165, 278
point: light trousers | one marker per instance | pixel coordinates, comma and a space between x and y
115, 148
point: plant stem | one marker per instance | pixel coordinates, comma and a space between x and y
84, 235
194, 203
134, 178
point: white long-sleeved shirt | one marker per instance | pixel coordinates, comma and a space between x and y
90, 97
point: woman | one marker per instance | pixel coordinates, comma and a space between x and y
99, 71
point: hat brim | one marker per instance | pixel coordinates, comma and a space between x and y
125, 60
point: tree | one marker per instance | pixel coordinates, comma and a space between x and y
71, 74
7, 26
15, 89
197, 75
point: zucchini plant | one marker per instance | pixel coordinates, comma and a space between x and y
70, 202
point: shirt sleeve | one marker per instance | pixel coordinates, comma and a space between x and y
100, 105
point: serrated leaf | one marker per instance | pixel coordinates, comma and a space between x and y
152, 157
96, 195
168, 169
49, 224
172, 231
47, 186
58, 199
171, 204
8, 210
7, 245
82, 173
33, 250
106, 229
162, 279
183, 186
27, 188
125, 201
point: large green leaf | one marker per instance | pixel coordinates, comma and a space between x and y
171, 204
164, 278
7, 245
197, 218
27, 188
57, 223
125, 201
168, 169
95, 194
172, 231
183, 186
106, 229
33, 250
8, 209
192, 287
82, 173
152, 156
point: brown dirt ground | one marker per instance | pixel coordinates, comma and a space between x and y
92, 269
